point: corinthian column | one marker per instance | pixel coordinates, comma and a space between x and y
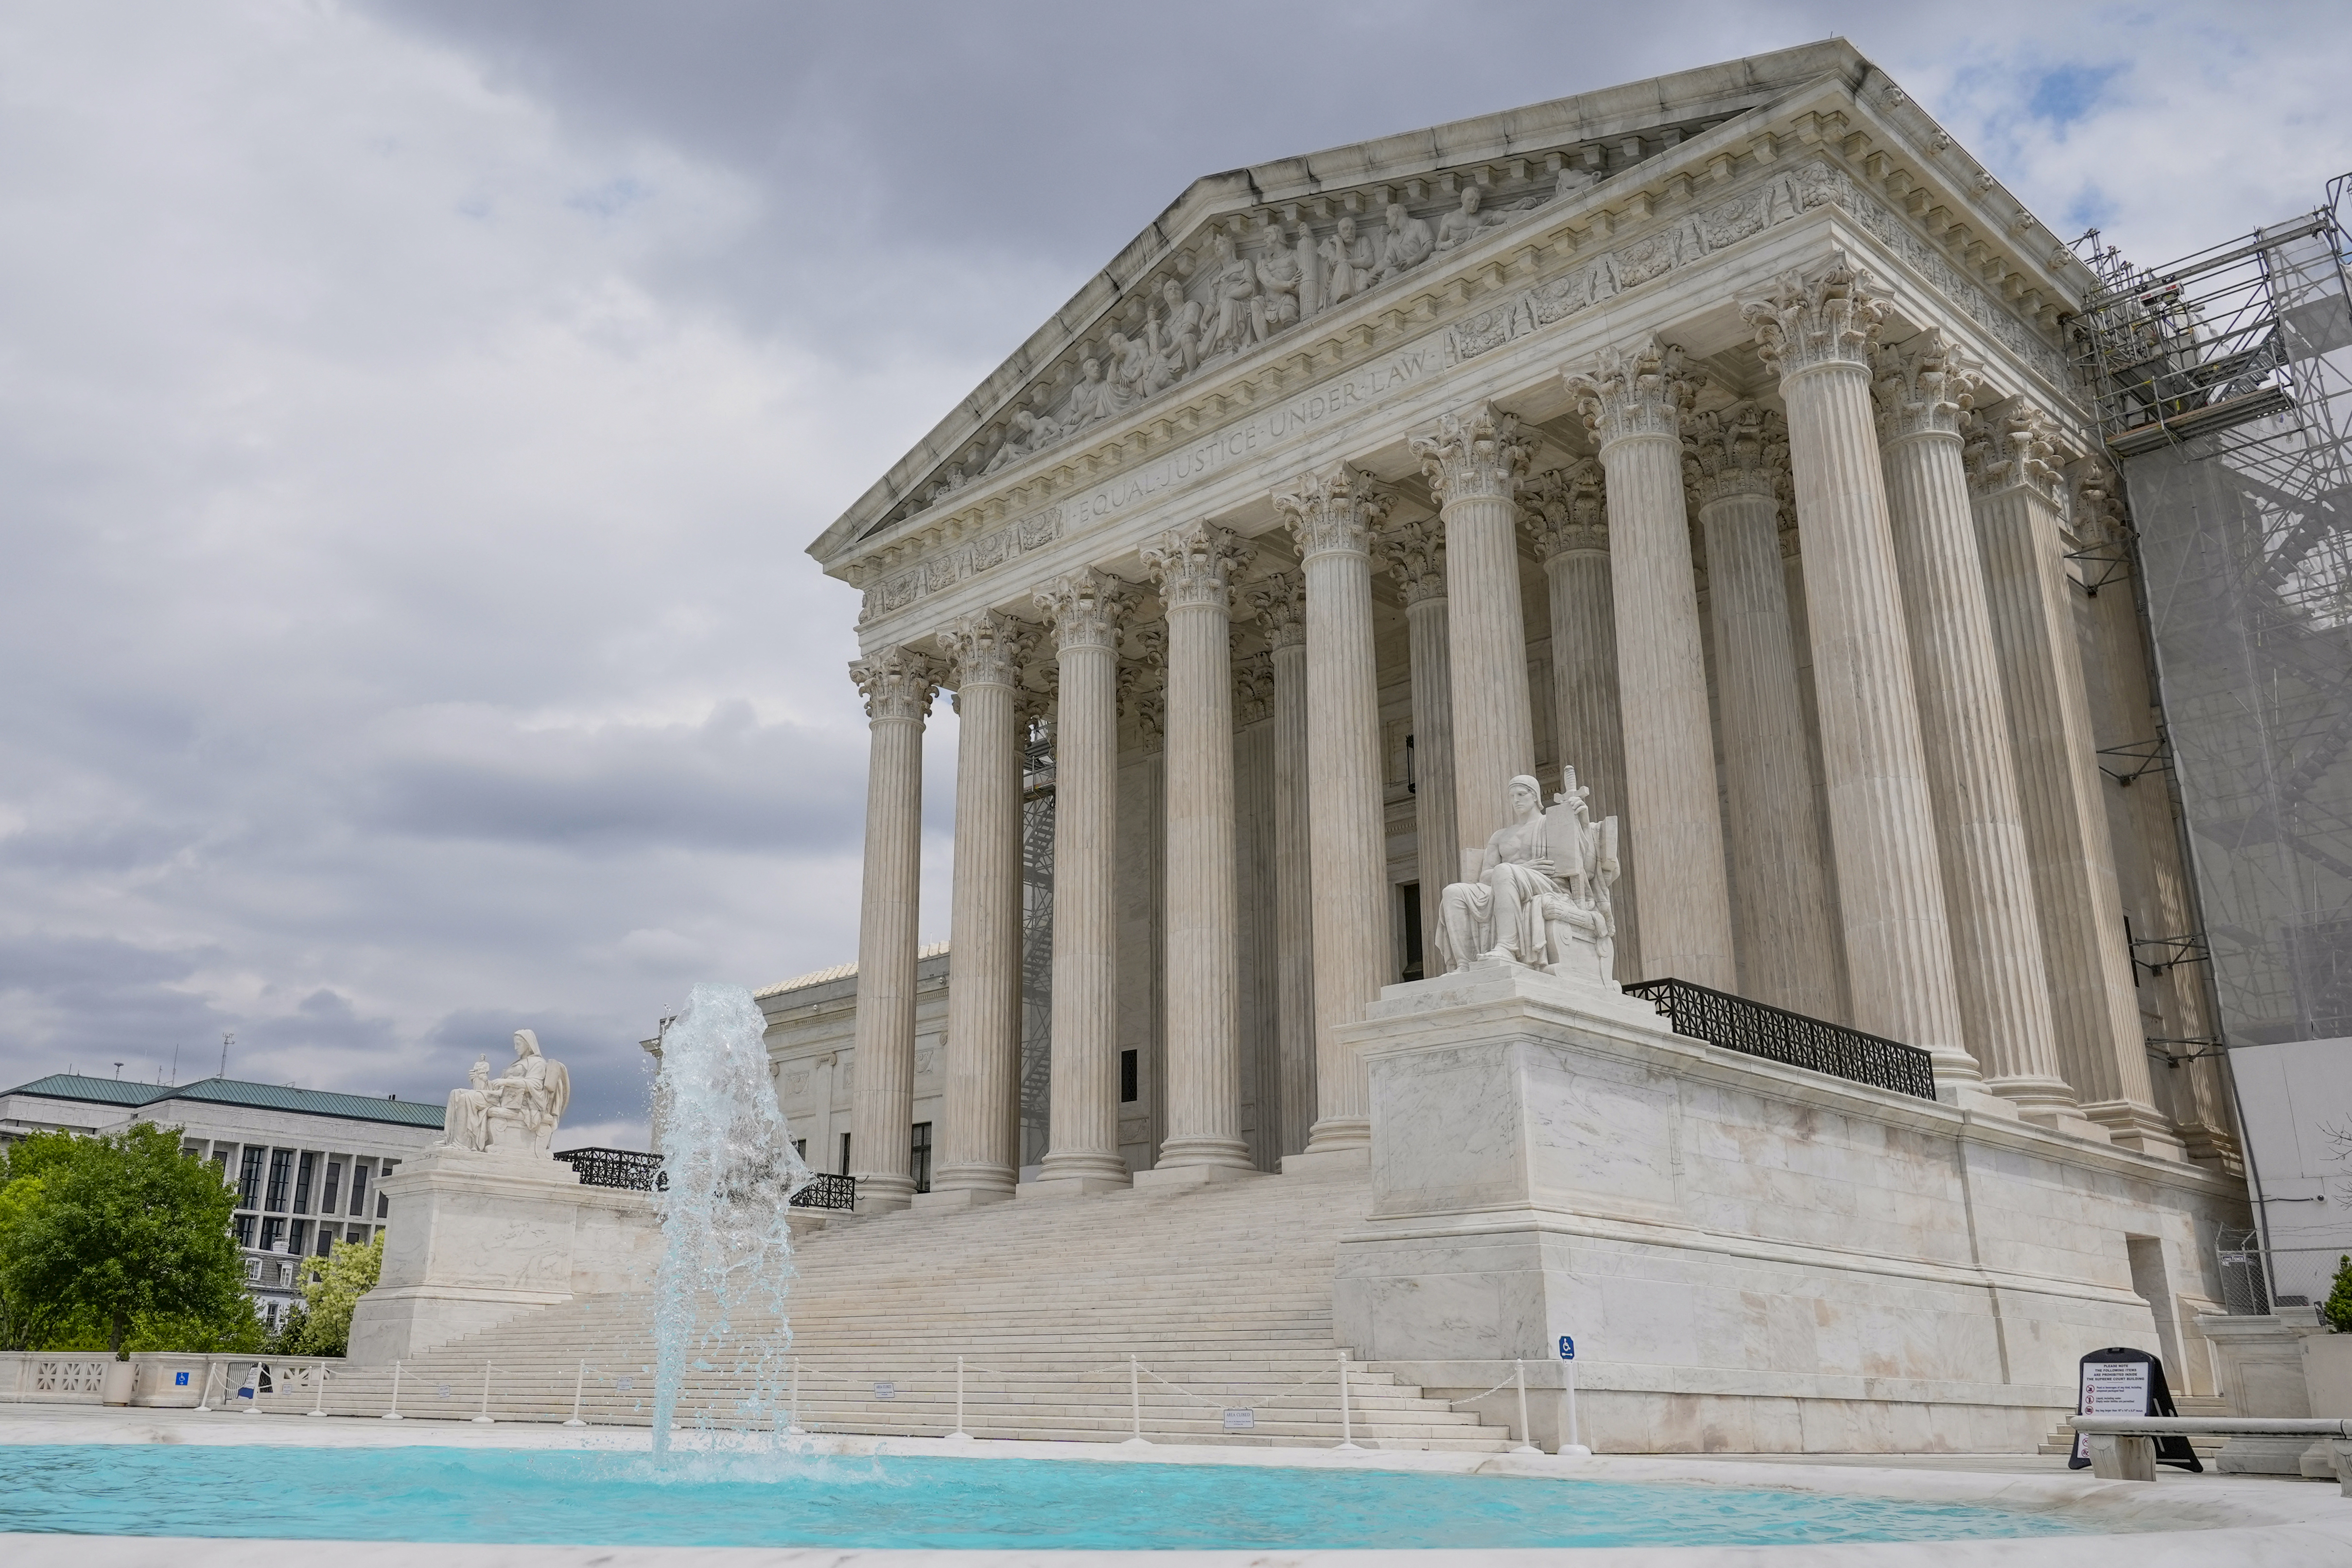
1633, 404
1474, 462
1414, 553
2012, 462
1281, 604
1194, 567
1085, 610
2004, 989
979, 1148
1566, 513
1787, 953
897, 685
1816, 331
1331, 515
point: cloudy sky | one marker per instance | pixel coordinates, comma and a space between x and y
413, 415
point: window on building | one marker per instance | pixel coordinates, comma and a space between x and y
800, 1147
252, 1265
1128, 1094
920, 1158
383, 1204
296, 1234
334, 1181
326, 1239
1410, 895
359, 1188
273, 1232
844, 1154
281, 1177
249, 1180
220, 1158
302, 1172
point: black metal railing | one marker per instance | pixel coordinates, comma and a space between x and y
1754, 1029
615, 1168
642, 1173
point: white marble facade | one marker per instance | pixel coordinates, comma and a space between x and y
1712, 437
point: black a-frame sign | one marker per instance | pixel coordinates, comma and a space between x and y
2120, 1381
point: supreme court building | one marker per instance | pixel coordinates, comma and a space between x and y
1712, 435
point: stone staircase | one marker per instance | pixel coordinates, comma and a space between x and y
1222, 1295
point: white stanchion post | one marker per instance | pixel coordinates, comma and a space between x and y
960, 1434
1346, 1414
252, 1405
579, 1380
393, 1414
1135, 1400
1574, 1443
795, 1429
484, 1418
319, 1397
1527, 1440
203, 1394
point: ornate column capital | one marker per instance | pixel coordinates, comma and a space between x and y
1566, 510
1085, 608
1637, 391
1474, 453
1826, 315
1335, 509
986, 648
1413, 552
897, 683
1279, 601
1925, 388
1253, 688
1741, 451
1195, 566
2099, 502
2019, 447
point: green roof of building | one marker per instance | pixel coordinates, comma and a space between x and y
235, 1091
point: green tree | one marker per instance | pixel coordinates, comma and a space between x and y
2337, 1310
118, 1231
331, 1286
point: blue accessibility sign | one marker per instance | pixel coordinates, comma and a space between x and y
1567, 1347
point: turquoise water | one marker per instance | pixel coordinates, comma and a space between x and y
620, 1499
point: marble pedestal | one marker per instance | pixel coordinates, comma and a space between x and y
474, 1239
1752, 1257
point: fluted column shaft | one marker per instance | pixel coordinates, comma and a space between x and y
1330, 515
1194, 568
1474, 462
1570, 526
2094, 1003
1632, 403
1085, 610
2004, 988
1281, 609
1816, 332
1414, 555
1787, 946
898, 686
979, 1145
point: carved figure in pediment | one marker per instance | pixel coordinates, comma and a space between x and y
1276, 305
1234, 287
1175, 334
1348, 262
1030, 433
1134, 371
1570, 182
1091, 399
1406, 246
950, 482
1465, 223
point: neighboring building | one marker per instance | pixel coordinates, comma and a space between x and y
306, 1163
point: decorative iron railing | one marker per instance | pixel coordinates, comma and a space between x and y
1754, 1029
642, 1173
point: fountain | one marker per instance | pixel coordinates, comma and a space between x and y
727, 1254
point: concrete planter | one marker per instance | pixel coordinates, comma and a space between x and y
2327, 1373
115, 1383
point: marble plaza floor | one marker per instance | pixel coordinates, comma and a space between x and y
2181, 1520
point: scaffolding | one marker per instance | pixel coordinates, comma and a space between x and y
2223, 389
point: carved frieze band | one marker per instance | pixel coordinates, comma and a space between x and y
1477, 453
1625, 393
1826, 314
1742, 450
897, 683
1336, 510
1195, 566
1566, 510
944, 569
1925, 388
